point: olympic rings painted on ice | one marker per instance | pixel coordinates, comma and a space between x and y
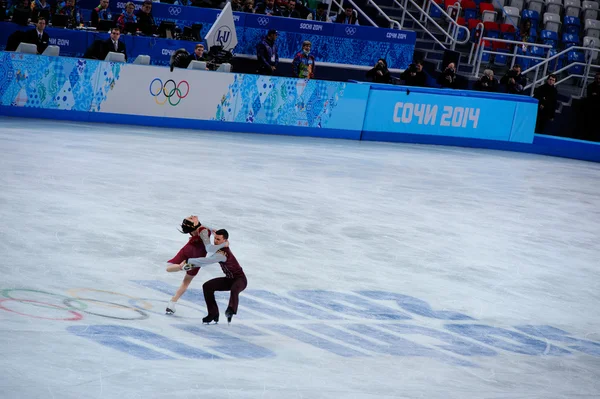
168, 89
76, 316
143, 314
73, 292
5, 292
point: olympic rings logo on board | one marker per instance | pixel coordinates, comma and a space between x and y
350, 31
262, 21
168, 91
174, 11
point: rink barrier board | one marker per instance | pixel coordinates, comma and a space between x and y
95, 91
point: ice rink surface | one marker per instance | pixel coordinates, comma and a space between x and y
375, 270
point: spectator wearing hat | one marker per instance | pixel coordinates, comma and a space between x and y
303, 65
266, 53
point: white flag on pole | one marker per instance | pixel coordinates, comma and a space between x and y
222, 33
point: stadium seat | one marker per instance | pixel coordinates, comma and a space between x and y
532, 16
511, 15
556, 63
549, 37
572, 25
590, 10
492, 29
535, 51
435, 12
594, 42
592, 28
524, 62
488, 14
572, 8
470, 9
517, 4
552, 22
498, 4
508, 32
536, 5
554, 6
575, 56
500, 59
570, 40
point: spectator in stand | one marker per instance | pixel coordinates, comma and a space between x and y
68, 8
145, 19
348, 17
380, 72
127, 16
414, 75
547, 96
249, 6
289, 10
236, 5
447, 78
320, 14
102, 12
303, 65
487, 82
38, 7
266, 53
21, 6
267, 8
513, 80
37, 36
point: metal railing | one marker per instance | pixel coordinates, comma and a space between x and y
590, 54
365, 16
452, 32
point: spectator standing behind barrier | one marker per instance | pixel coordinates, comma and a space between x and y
127, 17
348, 17
266, 53
249, 7
68, 8
113, 44
236, 5
267, 8
487, 82
414, 75
448, 77
380, 72
38, 36
100, 13
289, 10
22, 6
591, 110
547, 96
320, 14
513, 80
37, 7
145, 19
303, 65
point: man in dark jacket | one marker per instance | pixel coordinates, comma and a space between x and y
414, 75
37, 36
380, 73
447, 78
547, 96
266, 53
113, 44
487, 82
513, 80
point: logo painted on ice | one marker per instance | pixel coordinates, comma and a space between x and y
263, 21
356, 324
174, 11
168, 91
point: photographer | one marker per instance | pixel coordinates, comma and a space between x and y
487, 82
380, 73
448, 78
514, 81
414, 75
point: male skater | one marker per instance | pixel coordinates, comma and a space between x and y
234, 280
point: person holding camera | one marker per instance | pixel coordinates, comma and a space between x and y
513, 80
487, 82
414, 75
448, 78
380, 72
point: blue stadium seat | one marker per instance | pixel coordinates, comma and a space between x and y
570, 40
524, 62
572, 25
535, 51
549, 37
575, 56
531, 15
556, 63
